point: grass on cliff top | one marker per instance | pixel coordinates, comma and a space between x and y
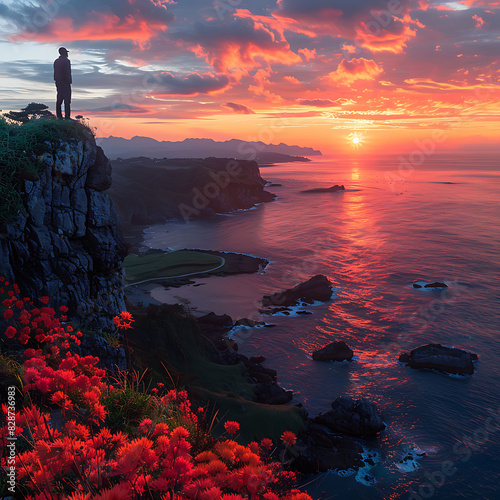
165, 341
168, 264
21, 148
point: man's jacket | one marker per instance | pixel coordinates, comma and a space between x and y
62, 70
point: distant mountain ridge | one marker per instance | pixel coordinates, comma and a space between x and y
117, 147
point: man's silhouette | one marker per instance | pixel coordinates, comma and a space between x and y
62, 77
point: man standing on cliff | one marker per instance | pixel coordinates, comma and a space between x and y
62, 77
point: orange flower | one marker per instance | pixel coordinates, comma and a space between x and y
289, 438
232, 427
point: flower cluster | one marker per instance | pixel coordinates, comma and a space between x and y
70, 453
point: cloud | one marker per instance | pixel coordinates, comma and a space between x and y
136, 20
308, 54
192, 84
120, 108
391, 38
319, 103
479, 21
348, 72
239, 108
237, 47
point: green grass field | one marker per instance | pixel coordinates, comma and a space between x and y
169, 264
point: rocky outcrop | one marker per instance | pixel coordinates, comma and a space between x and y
215, 328
352, 417
336, 351
65, 242
316, 288
435, 284
437, 357
146, 191
327, 451
331, 189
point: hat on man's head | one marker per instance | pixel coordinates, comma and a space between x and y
63, 51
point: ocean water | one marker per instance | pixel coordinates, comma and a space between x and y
439, 221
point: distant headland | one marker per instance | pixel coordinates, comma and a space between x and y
117, 147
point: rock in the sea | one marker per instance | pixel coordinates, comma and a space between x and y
336, 351
249, 323
316, 288
326, 451
257, 359
331, 189
437, 357
352, 417
435, 284
272, 394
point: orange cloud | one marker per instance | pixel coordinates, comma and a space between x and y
308, 54
479, 21
428, 84
376, 38
385, 41
276, 23
261, 84
292, 79
237, 59
100, 26
348, 72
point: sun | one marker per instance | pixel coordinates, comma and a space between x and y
355, 139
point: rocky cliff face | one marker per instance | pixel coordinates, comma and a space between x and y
146, 191
65, 242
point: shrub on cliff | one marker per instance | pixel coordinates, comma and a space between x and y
21, 150
63, 450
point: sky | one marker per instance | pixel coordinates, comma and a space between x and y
342, 76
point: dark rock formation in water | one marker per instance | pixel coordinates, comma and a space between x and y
65, 242
331, 189
437, 357
146, 191
336, 351
316, 288
435, 284
352, 417
326, 451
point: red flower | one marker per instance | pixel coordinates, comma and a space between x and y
267, 443
232, 427
63, 309
8, 313
289, 438
44, 300
11, 331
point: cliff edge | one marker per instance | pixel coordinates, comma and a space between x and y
64, 241
146, 191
